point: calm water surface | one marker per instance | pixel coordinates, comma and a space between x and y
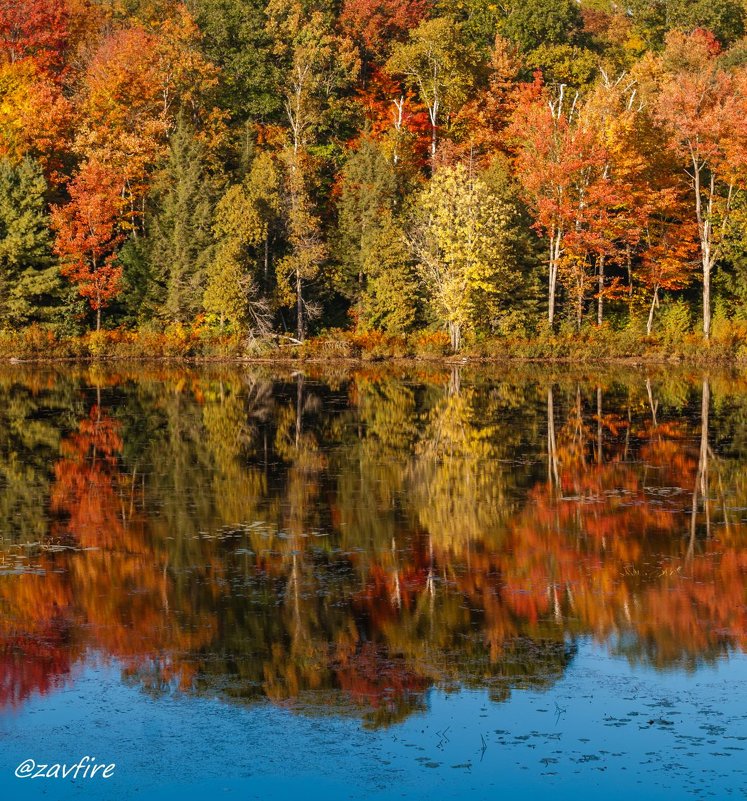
328, 584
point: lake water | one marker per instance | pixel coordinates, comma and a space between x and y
374, 583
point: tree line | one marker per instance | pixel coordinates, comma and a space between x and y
293, 166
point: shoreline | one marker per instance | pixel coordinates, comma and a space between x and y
404, 361
588, 347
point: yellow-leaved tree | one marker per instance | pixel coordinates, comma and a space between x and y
460, 238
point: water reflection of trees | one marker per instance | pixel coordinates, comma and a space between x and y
350, 543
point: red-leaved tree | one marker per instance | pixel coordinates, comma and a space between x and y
704, 108
35, 29
88, 235
562, 168
375, 25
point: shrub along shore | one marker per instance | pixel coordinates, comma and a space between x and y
727, 345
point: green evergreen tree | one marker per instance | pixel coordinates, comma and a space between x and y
374, 270
236, 40
369, 187
180, 239
521, 309
390, 300
30, 286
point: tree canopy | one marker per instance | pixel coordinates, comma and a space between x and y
299, 166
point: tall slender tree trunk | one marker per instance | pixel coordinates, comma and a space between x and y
294, 202
706, 244
267, 263
629, 266
455, 382
299, 307
701, 479
299, 406
551, 294
433, 113
707, 294
653, 405
553, 474
600, 432
555, 250
705, 229
654, 305
455, 335
399, 104
433, 110
600, 297
98, 295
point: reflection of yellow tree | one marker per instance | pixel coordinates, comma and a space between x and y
458, 489
298, 446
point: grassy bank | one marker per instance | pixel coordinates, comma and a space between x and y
728, 344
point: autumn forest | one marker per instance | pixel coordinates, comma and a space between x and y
373, 176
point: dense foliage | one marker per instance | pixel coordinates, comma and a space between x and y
490, 171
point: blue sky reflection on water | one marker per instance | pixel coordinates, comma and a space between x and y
604, 730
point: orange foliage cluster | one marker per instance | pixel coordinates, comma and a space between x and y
77, 87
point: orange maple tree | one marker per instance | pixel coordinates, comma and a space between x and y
88, 233
562, 167
704, 108
35, 29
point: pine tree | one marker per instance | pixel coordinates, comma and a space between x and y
307, 249
374, 266
29, 279
180, 236
234, 38
368, 188
390, 300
